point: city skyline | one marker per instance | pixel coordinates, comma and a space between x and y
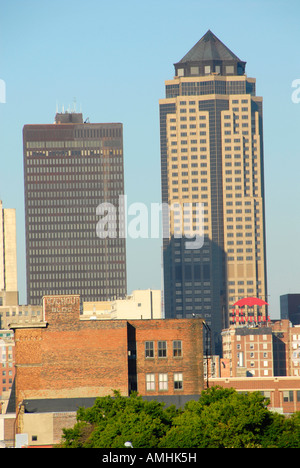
143, 52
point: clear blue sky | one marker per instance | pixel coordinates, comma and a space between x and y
113, 57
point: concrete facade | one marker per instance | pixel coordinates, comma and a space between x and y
8, 250
140, 304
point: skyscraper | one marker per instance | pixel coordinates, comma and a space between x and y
70, 168
8, 250
212, 156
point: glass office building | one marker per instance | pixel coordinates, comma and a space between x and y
212, 157
70, 168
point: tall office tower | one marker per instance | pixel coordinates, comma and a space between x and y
212, 155
70, 168
8, 250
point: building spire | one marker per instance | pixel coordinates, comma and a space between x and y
209, 56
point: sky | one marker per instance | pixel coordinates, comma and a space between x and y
111, 60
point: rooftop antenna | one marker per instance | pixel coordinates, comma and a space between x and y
74, 105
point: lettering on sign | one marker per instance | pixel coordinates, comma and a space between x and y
61, 301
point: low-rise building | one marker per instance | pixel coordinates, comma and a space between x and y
7, 359
283, 392
64, 362
140, 304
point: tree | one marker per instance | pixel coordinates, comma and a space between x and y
114, 420
222, 418
283, 433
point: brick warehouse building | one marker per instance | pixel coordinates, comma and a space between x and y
65, 362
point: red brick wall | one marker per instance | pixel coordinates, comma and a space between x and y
62, 420
71, 358
275, 386
190, 364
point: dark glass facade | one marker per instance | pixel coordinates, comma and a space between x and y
196, 88
70, 168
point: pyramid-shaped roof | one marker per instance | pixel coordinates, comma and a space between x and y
210, 51
209, 48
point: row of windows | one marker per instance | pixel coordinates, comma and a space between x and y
61, 199
162, 349
288, 396
74, 276
103, 132
210, 87
163, 381
73, 265
234, 101
21, 313
4, 381
7, 365
196, 299
110, 185
72, 178
66, 144
55, 166
110, 293
103, 155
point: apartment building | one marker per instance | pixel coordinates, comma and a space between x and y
7, 356
249, 351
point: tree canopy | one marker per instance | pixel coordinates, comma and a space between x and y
221, 418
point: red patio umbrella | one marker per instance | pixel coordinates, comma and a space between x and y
250, 301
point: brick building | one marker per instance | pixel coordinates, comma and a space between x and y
249, 351
283, 392
267, 350
265, 359
64, 362
7, 357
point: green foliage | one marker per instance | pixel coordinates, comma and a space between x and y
221, 418
283, 433
113, 421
